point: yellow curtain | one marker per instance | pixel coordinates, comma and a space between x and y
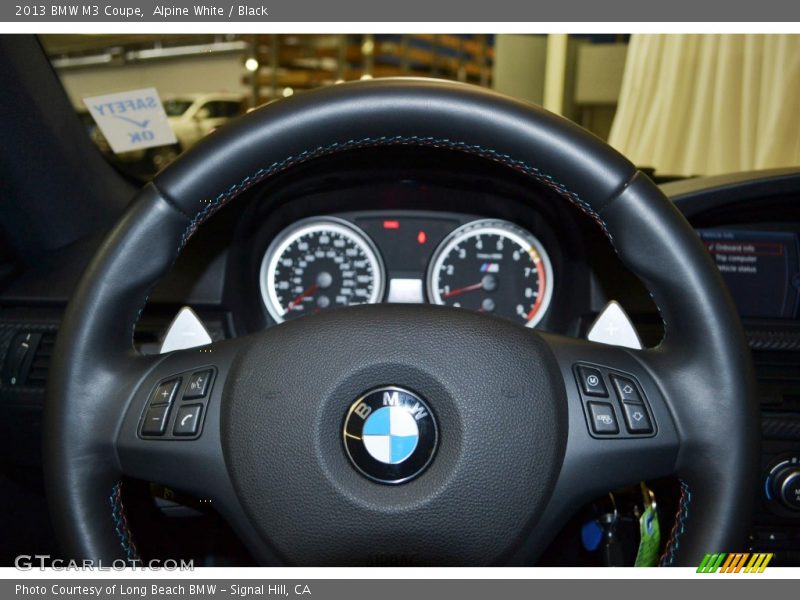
709, 104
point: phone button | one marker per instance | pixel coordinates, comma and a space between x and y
187, 421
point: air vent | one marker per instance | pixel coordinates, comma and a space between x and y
787, 339
28, 359
40, 365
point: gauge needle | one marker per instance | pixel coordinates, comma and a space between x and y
300, 298
463, 290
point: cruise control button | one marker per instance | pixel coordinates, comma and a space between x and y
626, 389
187, 421
636, 418
198, 385
603, 419
165, 392
155, 420
592, 382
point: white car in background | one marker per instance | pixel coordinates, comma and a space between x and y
193, 116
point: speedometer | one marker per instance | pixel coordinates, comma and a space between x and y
318, 264
494, 267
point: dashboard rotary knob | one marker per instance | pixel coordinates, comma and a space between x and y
783, 483
788, 485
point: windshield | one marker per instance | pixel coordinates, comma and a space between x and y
676, 105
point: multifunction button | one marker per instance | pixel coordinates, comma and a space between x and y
626, 389
592, 382
160, 420
165, 392
636, 419
630, 402
187, 421
603, 419
198, 385
155, 420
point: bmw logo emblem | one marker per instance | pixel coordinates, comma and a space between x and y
390, 435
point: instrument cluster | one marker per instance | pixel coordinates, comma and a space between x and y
487, 265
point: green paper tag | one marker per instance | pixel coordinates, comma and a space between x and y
650, 538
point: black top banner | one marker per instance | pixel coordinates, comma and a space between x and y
438, 11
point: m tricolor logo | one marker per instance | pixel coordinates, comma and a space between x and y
743, 562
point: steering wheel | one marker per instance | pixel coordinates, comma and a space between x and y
512, 430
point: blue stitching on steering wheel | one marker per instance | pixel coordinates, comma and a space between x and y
121, 525
668, 558
397, 140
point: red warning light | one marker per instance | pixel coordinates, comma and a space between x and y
391, 224
422, 237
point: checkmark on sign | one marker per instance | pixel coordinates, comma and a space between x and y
142, 124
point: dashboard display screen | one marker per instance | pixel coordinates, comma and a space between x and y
761, 269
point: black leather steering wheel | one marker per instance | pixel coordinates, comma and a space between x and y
516, 455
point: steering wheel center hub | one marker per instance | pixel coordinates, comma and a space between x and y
390, 434
467, 412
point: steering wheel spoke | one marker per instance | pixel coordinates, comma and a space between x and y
621, 430
170, 434
615, 404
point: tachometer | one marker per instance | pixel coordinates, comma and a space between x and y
317, 264
494, 267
